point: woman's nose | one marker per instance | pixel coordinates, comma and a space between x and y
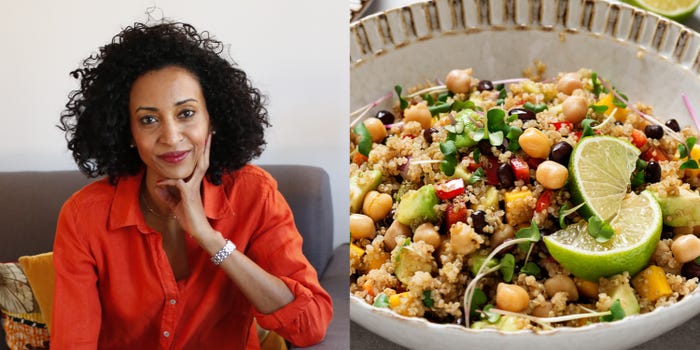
170, 133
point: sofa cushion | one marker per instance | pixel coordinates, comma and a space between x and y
22, 321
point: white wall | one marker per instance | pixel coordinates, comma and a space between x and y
294, 51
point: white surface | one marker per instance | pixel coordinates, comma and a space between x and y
644, 73
302, 70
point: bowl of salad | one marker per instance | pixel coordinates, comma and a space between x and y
523, 175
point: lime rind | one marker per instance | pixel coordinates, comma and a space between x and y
677, 10
600, 169
637, 231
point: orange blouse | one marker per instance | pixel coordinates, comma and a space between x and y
115, 288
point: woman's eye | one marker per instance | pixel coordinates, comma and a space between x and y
188, 113
148, 119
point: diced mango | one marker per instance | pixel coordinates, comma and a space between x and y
607, 100
651, 283
356, 251
398, 299
694, 154
518, 209
375, 260
489, 201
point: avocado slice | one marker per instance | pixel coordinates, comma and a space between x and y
628, 300
466, 126
417, 206
682, 210
360, 184
408, 261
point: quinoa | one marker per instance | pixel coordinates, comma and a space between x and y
426, 274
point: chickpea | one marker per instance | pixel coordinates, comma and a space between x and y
459, 81
396, 229
542, 310
419, 113
500, 236
463, 238
377, 205
551, 175
574, 109
686, 248
427, 233
362, 226
511, 297
376, 129
568, 83
535, 143
561, 283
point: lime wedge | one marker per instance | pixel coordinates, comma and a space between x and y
637, 230
600, 170
677, 10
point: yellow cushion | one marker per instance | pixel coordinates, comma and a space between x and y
40, 274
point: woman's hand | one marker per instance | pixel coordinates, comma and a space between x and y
184, 197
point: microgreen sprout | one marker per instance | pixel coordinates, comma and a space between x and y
365, 144
616, 312
507, 267
691, 111
564, 211
685, 150
530, 268
531, 234
483, 270
600, 229
427, 299
477, 176
402, 102
381, 300
638, 174
546, 322
491, 317
449, 150
587, 127
441, 108
362, 111
478, 299
431, 90
507, 81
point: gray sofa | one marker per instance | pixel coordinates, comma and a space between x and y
30, 202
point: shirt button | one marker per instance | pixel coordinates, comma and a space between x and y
166, 334
173, 301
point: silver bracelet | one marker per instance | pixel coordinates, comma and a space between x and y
223, 253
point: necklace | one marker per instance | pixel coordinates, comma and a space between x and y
145, 204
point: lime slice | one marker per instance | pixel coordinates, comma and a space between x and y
600, 170
637, 230
677, 10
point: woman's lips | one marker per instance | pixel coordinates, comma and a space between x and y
174, 157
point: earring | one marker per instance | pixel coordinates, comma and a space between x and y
131, 145
213, 132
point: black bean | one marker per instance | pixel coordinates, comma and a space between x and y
617, 122
506, 176
673, 125
428, 135
484, 85
691, 269
522, 113
561, 152
652, 173
386, 117
485, 148
478, 220
654, 131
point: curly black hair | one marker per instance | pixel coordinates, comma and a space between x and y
96, 118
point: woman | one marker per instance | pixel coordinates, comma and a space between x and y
183, 242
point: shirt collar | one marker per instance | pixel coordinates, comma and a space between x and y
126, 211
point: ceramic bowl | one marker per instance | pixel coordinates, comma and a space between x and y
651, 59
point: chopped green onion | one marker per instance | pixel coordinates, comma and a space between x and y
427, 299
381, 300
535, 107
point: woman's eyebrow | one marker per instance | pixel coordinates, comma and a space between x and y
154, 109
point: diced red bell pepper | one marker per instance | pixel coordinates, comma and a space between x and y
655, 154
544, 201
359, 158
520, 169
559, 125
491, 169
455, 213
638, 138
450, 189
472, 166
578, 135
